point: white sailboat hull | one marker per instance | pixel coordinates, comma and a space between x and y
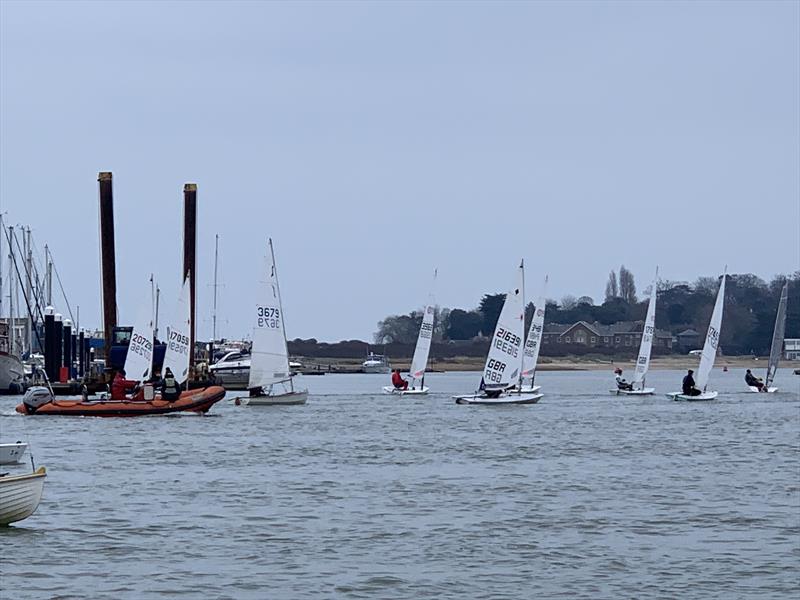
769, 390
20, 495
11, 454
643, 392
287, 399
503, 399
12, 374
528, 389
423, 391
678, 396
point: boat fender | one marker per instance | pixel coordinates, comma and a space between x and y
36, 397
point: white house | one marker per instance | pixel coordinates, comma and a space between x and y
791, 348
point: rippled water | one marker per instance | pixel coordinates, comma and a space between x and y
361, 495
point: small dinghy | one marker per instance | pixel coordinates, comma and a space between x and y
530, 354
270, 378
645, 349
416, 387
503, 368
777, 344
11, 454
20, 495
40, 401
709, 352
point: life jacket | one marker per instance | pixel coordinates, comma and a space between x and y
170, 386
397, 379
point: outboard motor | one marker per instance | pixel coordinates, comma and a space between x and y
36, 397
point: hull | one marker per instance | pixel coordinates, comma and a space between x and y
198, 401
527, 389
504, 399
12, 374
702, 397
233, 377
376, 369
11, 454
423, 391
642, 392
20, 495
287, 399
769, 390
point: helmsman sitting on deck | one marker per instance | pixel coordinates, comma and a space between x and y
688, 385
754, 381
621, 383
398, 382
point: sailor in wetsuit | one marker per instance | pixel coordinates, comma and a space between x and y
689, 388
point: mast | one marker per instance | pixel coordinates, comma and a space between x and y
522, 346
2, 235
155, 327
28, 272
280, 307
11, 291
214, 309
49, 276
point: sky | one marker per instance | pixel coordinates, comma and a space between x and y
377, 141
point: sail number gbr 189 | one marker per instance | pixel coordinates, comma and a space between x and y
268, 317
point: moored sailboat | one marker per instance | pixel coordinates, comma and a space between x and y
419, 362
269, 363
645, 349
709, 353
777, 343
502, 373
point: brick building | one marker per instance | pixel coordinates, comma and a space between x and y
624, 335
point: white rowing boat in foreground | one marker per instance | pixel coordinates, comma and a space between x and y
503, 368
20, 495
416, 387
709, 352
777, 343
269, 362
645, 349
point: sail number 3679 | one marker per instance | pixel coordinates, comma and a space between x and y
268, 317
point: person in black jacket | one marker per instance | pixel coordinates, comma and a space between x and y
689, 388
753, 381
169, 387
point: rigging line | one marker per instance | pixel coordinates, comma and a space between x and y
63, 293
28, 274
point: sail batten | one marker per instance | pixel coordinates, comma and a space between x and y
504, 360
711, 344
649, 331
777, 336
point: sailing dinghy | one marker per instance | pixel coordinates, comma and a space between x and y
176, 356
709, 353
419, 362
139, 360
502, 374
777, 343
530, 354
645, 348
269, 362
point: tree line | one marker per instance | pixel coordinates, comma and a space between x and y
748, 321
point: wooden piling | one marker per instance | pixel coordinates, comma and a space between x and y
108, 273
190, 256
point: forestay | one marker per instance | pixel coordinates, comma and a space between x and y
176, 356
712, 339
420, 360
777, 336
139, 360
534, 342
645, 348
504, 361
269, 362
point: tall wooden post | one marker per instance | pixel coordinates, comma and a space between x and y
190, 257
108, 272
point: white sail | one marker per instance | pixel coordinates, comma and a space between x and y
420, 360
504, 361
649, 331
269, 363
712, 339
139, 360
777, 336
176, 356
534, 342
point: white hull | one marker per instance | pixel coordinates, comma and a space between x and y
642, 392
20, 495
506, 398
287, 399
529, 389
11, 454
770, 390
704, 396
12, 373
376, 369
388, 389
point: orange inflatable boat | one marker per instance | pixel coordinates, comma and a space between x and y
42, 403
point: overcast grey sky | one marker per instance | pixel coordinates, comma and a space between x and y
377, 141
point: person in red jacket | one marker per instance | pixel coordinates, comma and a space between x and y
120, 385
398, 382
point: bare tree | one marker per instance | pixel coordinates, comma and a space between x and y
612, 289
627, 286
